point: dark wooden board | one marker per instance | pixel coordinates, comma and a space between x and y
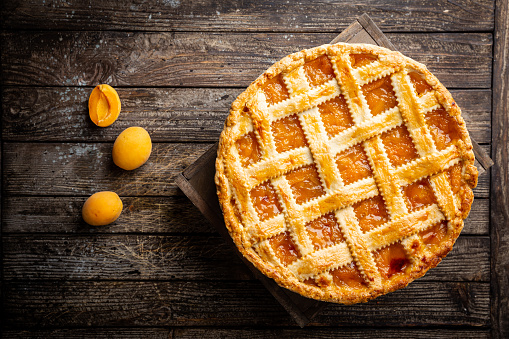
40, 304
143, 215
348, 333
143, 59
177, 257
255, 16
499, 198
170, 114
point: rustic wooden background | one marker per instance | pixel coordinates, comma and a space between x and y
160, 270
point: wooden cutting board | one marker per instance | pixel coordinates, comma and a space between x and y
197, 183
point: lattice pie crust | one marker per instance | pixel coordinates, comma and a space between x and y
345, 172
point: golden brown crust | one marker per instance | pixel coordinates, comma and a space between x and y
232, 180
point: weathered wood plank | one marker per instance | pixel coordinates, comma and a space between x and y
110, 333
77, 169
500, 186
316, 332
210, 59
29, 304
146, 257
166, 215
307, 16
172, 115
85, 168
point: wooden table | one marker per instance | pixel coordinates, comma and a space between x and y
160, 270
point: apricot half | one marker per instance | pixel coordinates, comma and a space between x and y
102, 208
104, 105
132, 148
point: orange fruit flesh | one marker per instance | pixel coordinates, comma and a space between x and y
319, 71
275, 90
380, 95
399, 146
104, 105
361, 59
248, 149
288, 134
335, 115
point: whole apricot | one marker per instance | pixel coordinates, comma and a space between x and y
132, 148
102, 208
104, 105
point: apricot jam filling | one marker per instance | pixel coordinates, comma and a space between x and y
324, 231
335, 115
285, 249
391, 260
444, 128
319, 71
305, 183
288, 134
353, 164
265, 201
380, 95
435, 234
371, 213
275, 90
455, 177
248, 149
418, 195
361, 59
419, 82
399, 146
348, 275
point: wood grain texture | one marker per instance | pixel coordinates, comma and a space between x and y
40, 304
84, 168
499, 217
208, 15
143, 215
110, 333
179, 257
137, 59
316, 332
171, 114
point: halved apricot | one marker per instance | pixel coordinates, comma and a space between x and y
103, 105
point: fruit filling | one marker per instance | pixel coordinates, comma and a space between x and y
399, 146
319, 71
455, 177
353, 164
391, 260
418, 195
305, 183
335, 115
444, 128
380, 95
419, 82
265, 201
361, 59
371, 213
248, 149
275, 90
324, 231
434, 235
288, 134
285, 249
348, 275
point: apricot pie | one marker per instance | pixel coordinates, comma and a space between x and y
345, 172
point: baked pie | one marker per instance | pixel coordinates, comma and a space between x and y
345, 172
